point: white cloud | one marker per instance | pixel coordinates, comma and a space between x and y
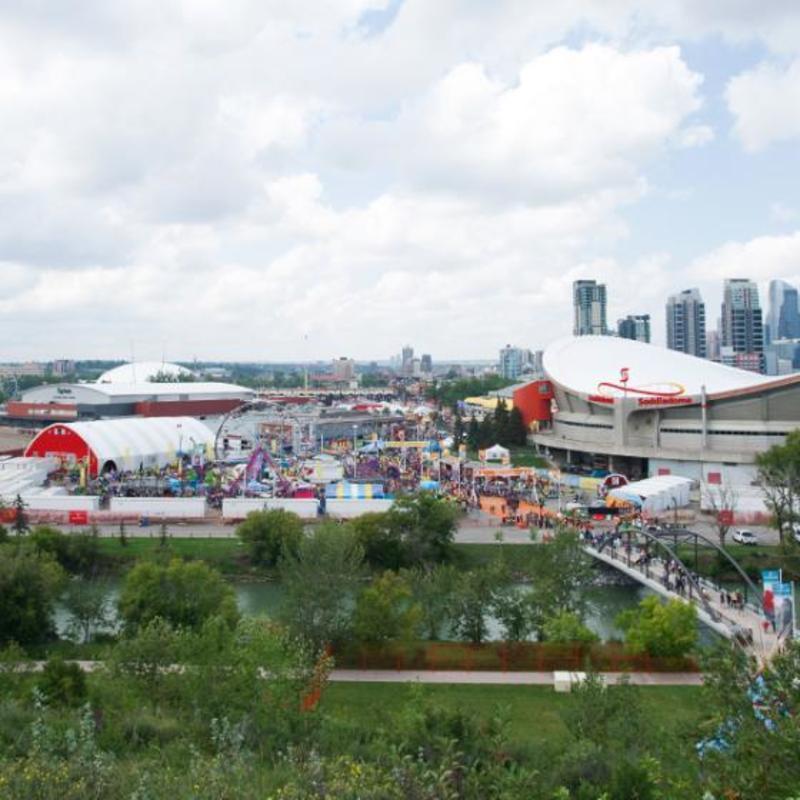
573, 120
765, 102
761, 259
227, 179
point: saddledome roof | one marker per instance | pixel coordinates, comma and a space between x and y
611, 366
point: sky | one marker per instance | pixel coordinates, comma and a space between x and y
263, 180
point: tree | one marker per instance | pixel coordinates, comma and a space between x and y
517, 431
381, 539
779, 479
566, 627
29, 587
123, 539
20, 524
560, 573
723, 500
487, 435
666, 630
270, 535
427, 526
433, 588
320, 581
512, 610
473, 433
501, 423
385, 611
184, 594
89, 607
77, 553
475, 594
752, 725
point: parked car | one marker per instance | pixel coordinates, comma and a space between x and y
793, 529
745, 537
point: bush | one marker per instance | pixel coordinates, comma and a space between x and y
565, 628
385, 611
184, 594
660, 629
62, 683
29, 586
270, 535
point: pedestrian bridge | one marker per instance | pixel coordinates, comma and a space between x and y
652, 559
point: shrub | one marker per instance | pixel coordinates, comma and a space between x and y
270, 535
62, 683
184, 594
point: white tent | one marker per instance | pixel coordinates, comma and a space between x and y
496, 453
656, 495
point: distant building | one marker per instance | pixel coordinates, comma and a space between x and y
636, 327
589, 303
712, 345
62, 366
742, 325
513, 362
686, 323
782, 357
29, 369
343, 369
426, 364
783, 317
406, 360
751, 362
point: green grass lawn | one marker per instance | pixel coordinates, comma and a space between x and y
532, 711
226, 555
470, 556
229, 556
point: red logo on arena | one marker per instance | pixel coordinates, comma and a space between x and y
667, 392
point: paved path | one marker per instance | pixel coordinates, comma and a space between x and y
447, 677
498, 678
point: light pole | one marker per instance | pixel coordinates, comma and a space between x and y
180, 449
355, 453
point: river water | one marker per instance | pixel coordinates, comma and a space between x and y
264, 599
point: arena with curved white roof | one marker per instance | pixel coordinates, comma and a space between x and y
646, 410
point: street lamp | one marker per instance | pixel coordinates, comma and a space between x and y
180, 449
355, 453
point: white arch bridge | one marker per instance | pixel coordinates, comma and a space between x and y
657, 560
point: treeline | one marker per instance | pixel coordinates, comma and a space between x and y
503, 427
447, 393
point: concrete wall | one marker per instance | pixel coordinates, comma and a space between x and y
45, 502
240, 507
347, 509
168, 507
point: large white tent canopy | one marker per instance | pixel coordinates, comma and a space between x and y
133, 442
656, 495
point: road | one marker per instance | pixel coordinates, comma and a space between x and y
476, 528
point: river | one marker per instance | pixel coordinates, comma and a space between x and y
604, 604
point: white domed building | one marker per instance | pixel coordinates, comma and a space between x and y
147, 372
